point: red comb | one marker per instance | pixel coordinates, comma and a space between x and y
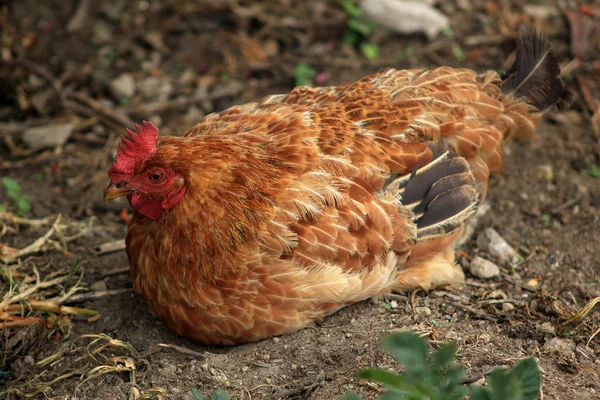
138, 147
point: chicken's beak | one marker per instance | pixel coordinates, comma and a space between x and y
112, 192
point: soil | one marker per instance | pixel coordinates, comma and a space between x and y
546, 203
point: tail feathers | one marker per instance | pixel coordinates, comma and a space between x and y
443, 195
535, 74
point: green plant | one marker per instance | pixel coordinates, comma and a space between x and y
13, 191
359, 30
219, 394
433, 375
303, 73
593, 171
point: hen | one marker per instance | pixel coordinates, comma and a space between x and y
266, 217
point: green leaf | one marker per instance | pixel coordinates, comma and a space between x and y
444, 356
23, 205
408, 349
351, 8
458, 53
13, 189
303, 73
361, 26
528, 375
219, 395
455, 375
457, 392
74, 265
479, 393
383, 376
370, 50
350, 37
197, 395
592, 171
498, 384
350, 396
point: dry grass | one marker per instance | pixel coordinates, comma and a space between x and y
33, 311
581, 315
101, 356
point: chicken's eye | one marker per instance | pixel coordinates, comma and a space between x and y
156, 176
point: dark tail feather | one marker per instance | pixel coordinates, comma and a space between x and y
535, 74
443, 194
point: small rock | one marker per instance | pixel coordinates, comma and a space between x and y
483, 269
559, 345
43, 102
276, 340
123, 86
423, 311
187, 78
508, 306
98, 286
545, 172
452, 335
546, 327
489, 240
155, 39
541, 11
102, 33
168, 371
394, 304
245, 368
567, 118
45, 136
156, 88
497, 294
406, 17
193, 114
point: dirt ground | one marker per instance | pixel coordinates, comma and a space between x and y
101, 65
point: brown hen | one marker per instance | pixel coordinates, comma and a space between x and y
266, 217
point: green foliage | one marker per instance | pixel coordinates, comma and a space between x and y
593, 171
370, 50
520, 383
458, 53
358, 30
216, 395
13, 191
303, 73
432, 375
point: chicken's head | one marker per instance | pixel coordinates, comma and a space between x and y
151, 189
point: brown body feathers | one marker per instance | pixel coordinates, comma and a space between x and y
303, 203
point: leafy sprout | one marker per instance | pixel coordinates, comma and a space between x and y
13, 191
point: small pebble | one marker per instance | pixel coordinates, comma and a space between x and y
245, 368
98, 286
423, 311
123, 87
559, 345
48, 136
394, 304
508, 306
546, 327
483, 269
489, 240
